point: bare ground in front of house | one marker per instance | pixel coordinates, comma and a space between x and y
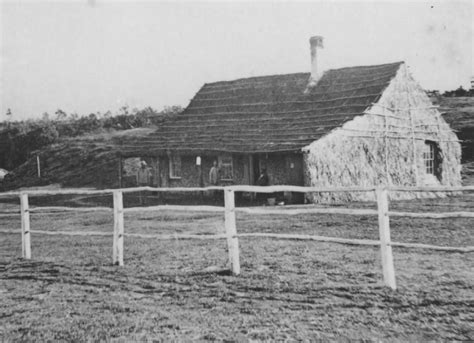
287, 290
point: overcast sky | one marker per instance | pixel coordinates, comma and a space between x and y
91, 56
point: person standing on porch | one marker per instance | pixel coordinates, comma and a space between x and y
263, 178
262, 181
214, 180
143, 180
214, 174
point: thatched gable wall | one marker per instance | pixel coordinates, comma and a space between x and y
385, 146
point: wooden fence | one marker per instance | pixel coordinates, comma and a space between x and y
230, 233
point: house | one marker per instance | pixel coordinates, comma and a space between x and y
356, 126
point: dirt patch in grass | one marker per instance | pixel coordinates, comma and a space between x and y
181, 289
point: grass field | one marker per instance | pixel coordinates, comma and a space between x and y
181, 289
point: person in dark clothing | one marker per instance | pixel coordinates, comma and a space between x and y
263, 178
262, 181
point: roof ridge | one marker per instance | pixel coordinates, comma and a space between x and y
370, 66
303, 73
258, 77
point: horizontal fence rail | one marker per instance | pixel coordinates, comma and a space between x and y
237, 188
72, 233
347, 241
54, 209
230, 229
176, 236
308, 209
354, 241
439, 215
200, 208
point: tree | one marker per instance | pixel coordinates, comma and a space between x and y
144, 117
124, 110
60, 114
172, 110
460, 92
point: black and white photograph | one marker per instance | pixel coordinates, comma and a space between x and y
236, 171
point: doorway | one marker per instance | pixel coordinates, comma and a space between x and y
255, 171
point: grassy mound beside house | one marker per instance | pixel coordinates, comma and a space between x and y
459, 113
86, 161
64, 143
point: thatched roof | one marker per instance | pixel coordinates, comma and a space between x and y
268, 113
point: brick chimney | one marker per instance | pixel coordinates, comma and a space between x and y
315, 43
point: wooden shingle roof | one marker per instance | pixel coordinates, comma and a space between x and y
271, 113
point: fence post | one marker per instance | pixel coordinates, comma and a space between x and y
231, 231
118, 229
385, 244
25, 227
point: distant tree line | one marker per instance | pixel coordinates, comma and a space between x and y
459, 92
18, 139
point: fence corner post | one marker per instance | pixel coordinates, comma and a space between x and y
117, 256
25, 227
385, 243
231, 231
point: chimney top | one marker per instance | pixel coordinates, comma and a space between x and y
316, 41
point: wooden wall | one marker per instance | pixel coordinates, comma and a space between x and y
282, 169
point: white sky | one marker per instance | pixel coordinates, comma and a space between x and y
99, 55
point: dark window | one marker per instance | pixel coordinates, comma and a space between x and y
226, 168
431, 158
175, 166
